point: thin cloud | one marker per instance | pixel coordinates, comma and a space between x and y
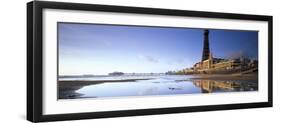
148, 58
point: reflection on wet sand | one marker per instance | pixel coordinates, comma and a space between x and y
210, 86
159, 85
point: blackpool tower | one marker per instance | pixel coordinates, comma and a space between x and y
206, 49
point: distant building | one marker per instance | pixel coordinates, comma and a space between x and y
116, 74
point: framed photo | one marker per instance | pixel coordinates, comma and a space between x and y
95, 61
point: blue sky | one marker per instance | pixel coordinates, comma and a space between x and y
101, 49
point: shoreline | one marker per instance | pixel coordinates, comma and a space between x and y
218, 77
89, 82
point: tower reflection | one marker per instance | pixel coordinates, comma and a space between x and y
210, 86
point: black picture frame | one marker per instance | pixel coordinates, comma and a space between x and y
35, 69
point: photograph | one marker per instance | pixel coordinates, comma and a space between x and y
107, 60
91, 60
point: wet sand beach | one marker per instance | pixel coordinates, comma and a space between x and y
67, 88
